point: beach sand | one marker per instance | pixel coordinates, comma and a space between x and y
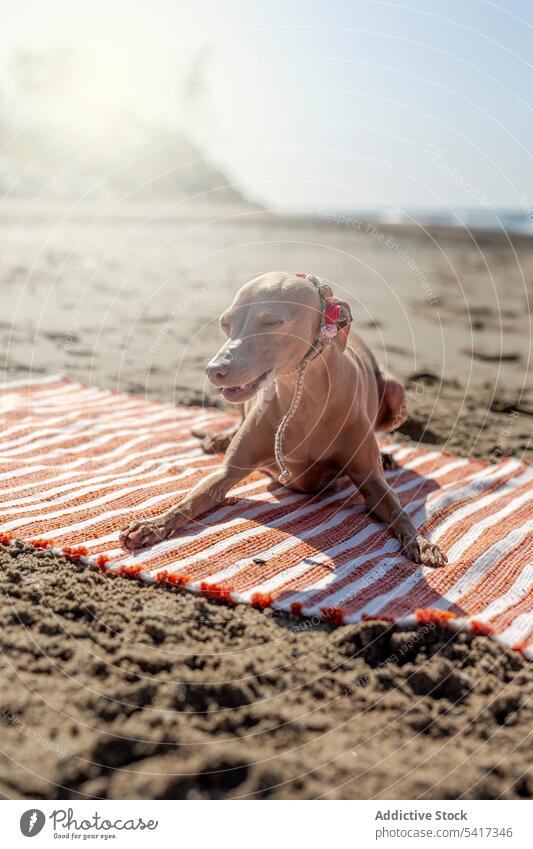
111, 689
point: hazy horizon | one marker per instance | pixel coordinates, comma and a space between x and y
392, 108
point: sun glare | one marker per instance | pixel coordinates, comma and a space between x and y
86, 92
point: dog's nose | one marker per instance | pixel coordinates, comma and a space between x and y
216, 372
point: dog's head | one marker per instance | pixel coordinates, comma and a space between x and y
270, 326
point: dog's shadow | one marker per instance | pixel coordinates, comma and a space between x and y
321, 531
349, 580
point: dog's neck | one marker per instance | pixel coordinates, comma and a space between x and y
319, 377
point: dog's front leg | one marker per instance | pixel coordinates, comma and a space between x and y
244, 455
206, 494
383, 502
366, 471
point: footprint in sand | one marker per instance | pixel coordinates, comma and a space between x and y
493, 356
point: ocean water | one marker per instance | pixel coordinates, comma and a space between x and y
504, 220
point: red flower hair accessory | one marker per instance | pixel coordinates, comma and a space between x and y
337, 315
332, 313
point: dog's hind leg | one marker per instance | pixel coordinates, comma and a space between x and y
217, 443
392, 408
388, 462
392, 411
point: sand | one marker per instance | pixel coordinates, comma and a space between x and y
115, 690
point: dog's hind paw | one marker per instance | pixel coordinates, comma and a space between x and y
388, 462
215, 443
426, 553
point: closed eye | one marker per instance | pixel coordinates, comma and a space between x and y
272, 322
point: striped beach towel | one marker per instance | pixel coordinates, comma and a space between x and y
78, 463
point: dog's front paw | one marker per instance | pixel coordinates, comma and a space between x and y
426, 553
145, 533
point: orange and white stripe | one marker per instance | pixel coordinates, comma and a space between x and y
77, 463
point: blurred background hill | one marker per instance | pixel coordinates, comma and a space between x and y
65, 134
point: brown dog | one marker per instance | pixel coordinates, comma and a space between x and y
287, 361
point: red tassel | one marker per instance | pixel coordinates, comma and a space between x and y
176, 580
129, 571
216, 592
180, 580
40, 543
296, 608
431, 615
481, 628
74, 553
5, 539
333, 615
261, 600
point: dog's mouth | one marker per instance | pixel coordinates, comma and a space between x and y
244, 391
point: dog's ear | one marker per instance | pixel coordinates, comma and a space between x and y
339, 313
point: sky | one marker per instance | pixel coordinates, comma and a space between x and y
315, 104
